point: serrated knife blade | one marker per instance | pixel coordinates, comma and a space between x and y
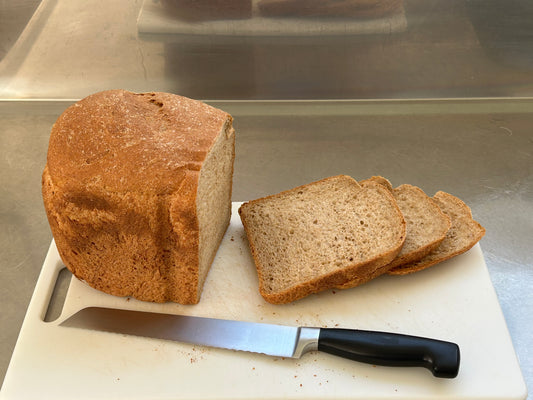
381, 348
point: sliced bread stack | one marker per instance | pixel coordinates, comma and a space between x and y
463, 234
426, 225
338, 233
438, 228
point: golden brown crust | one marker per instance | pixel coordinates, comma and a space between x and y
119, 189
116, 141
378, 179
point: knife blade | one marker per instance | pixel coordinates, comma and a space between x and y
380, 348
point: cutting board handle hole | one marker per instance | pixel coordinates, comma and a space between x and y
57, 299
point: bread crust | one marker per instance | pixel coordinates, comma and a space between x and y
119, 189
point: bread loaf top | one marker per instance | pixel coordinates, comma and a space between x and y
118, 141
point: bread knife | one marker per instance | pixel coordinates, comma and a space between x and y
372, 347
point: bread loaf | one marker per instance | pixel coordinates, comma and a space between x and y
321, 235
137, 190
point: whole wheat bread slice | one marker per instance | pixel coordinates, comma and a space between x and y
320, 235
426, 225
464, 233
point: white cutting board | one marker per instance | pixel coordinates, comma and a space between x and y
454, 301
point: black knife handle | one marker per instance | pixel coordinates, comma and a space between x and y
392, 349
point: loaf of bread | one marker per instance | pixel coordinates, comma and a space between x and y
137, 191
463, 234
320, 235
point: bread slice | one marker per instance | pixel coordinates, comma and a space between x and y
320, 235
137, 190
464, 233
426, 225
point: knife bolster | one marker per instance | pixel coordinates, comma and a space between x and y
307, 341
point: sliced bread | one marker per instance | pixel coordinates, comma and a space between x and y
464, 233
426, 226
320, 235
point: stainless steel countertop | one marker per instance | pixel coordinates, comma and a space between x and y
479, 150
466, 126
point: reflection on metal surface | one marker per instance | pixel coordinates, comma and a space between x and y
418, 49
14, 15
272, 18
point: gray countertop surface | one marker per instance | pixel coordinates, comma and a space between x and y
479, 150
459, 119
